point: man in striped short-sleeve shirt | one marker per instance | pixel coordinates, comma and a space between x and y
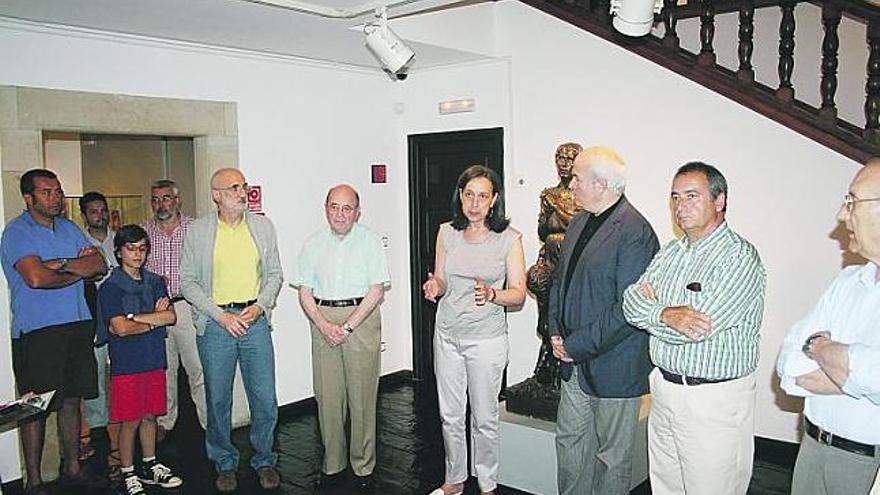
701, 300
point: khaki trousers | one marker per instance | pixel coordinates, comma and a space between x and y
701, 438
180, 346
346, 382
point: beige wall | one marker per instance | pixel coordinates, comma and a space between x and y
25, 113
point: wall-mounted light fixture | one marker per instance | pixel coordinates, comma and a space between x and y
458, 106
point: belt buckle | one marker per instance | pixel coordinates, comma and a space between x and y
825, 437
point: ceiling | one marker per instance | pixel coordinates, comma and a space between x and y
240, 24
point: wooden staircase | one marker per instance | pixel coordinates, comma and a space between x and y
821, 124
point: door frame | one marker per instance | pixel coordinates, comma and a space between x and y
422, 366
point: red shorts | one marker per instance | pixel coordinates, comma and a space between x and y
136, 395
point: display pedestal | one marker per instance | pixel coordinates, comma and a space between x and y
528, 452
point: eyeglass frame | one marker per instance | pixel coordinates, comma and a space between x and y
850, 200
164, 198
244, 186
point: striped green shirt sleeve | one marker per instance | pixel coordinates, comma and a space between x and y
732, 281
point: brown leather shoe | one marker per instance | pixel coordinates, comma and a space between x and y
226, 482
269, 478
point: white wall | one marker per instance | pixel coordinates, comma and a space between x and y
566, 84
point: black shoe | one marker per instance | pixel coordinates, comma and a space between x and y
156, 473
329, 480
364, 484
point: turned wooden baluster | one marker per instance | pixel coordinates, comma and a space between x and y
746, 73
670, 38
707, 34
830, 45
785, 92
872, 88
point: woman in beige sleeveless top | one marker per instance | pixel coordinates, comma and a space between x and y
480, 270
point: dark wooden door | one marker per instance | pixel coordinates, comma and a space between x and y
435, 162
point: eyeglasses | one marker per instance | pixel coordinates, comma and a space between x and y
136, 248
236, 188
163, 199
850, 200
345, 209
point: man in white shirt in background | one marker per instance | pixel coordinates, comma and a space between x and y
832, 358
96, 218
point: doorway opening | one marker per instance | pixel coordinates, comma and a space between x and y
122, 167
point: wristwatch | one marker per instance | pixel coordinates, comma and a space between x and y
62, 268
348, 328
130, 316
807, 348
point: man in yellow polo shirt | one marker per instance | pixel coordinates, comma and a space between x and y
231, 274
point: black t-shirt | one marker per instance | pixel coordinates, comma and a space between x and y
593, 224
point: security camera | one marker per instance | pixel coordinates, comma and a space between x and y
401, 76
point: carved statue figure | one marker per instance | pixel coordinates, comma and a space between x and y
558, 206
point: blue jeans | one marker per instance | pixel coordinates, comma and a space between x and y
219, 352
97, 409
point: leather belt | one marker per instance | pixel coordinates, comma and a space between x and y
690, 380
236, 306
828, 438
177, 299
339, 303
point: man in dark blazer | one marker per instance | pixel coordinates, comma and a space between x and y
605, 361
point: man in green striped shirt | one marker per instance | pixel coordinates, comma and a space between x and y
701, 300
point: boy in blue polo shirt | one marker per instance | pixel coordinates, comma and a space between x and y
134, 310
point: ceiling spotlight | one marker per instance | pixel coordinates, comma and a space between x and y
387, 47
634, 17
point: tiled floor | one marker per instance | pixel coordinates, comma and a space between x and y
410, 452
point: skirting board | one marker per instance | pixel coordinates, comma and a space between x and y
528, 452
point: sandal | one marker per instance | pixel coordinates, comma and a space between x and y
86, 450
113, 463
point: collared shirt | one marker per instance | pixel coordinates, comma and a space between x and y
236, 264
107, 249
721, 276
164, 259
344, 268
850, 310
33, 309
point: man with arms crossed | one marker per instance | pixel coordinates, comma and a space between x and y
45, 259
702, 301
832, 358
